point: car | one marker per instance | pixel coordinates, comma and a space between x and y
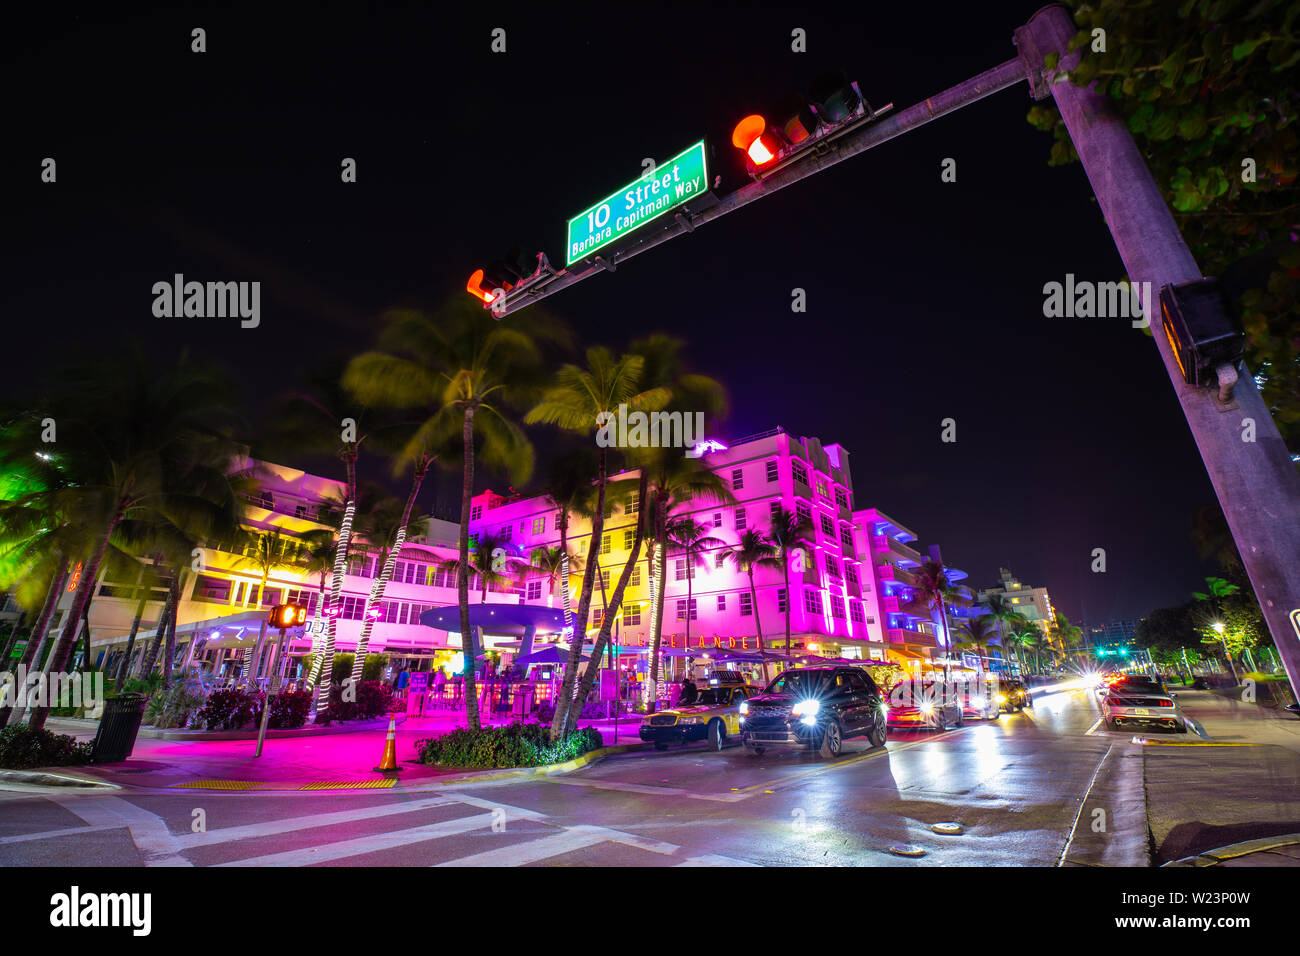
713, 716
979, 700
815, 708
1013, 696
1142, 701
924, 705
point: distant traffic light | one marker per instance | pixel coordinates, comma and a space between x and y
495, 283
288, 615
832, 106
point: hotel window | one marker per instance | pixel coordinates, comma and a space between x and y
803, 510
681, 610
828, 526
780, 600
534, 591
633, 503
773, 508
597, 615
837, 606
722, 602
771, 469
629, 538
855, 612
737, 479
681, 571
717, 519
604, 579
391, 609
353, 608
799, 470
559, 520
846, 539
833, 566
842, 498
822, 489
740, 519
212, 589
635, 580
632, 615
604, 545
300, 511
539, 525
508, 532
812, 602
850, 574
523, 526
746, 605
475, 513
719, 559
399, 569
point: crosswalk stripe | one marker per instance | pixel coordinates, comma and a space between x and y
517, 854
248, 831
713, 859
343, 849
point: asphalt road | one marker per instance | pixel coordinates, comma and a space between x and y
1016, 785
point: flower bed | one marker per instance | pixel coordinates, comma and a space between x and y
516, 745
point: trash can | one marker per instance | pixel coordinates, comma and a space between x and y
118, 728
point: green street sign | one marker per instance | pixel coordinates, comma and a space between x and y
670, 184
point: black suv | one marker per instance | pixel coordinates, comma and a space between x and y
813, 709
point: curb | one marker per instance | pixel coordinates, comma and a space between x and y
522, 773
44, 778
1232, 851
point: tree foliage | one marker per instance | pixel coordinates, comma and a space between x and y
1208, 89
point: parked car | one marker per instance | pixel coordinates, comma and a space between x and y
1142, 701
714, 716
1013, 696
923, 705
814, 709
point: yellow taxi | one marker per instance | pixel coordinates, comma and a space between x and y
713, 716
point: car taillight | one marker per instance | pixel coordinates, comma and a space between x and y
1166, 703
1112, 702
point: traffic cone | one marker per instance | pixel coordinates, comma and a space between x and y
388, 762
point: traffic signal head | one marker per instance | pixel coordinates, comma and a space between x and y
834, 98
288, 615
502, 275
758, 142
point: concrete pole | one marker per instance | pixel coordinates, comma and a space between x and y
1256, 482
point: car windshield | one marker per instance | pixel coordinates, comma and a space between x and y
1138, 683
713, 696
798, 682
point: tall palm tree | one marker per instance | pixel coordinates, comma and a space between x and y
755, 551
469, 371
581, 400
790, 531
978, 632
691, 539
932, 586
151, 449
568, 489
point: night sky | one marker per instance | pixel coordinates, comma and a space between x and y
924, 298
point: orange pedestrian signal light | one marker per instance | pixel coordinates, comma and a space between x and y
476, 287
288, 615
752, 136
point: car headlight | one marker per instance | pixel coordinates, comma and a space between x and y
807, 708
809, 720
978, 702
926, 709
1002, 698
744, 707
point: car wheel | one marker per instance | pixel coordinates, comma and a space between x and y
660, 745
879, 731
759, 751
959, 720
1182, 728
1111, 725
832, 739
717, 735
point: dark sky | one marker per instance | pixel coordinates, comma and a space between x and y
924, 298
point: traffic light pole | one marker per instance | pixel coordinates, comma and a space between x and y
1256, 482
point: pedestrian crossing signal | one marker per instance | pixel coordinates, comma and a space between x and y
288, 615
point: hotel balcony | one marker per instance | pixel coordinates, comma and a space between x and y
884, 544
901, 635
889, 572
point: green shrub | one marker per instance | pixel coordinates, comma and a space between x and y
174, 706
289, 710
517, 745
590, 711
227, 710
21, 747
373, 700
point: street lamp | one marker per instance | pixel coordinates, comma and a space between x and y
1218, 626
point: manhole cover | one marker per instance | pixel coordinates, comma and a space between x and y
906, 849
948, 829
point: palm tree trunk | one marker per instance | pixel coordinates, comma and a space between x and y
89, 578
569, 684
169, 652
657, 599
462, 575
377, 593
785, 560
151, 653
758, 624
323, 664
130, 641
36, 641
607, 623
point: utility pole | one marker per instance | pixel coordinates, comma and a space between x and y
1256, 482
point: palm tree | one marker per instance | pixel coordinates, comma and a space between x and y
932, 586
691, 539
789, 531
271, 551
1063, 633
469, 371
149, 449
568, 490
581, 400
977, 633
1216, 590
755, 550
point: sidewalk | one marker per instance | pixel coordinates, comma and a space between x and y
1203, 797
292, 763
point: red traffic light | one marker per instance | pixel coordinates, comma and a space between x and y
288, 615
482, 287
752, 135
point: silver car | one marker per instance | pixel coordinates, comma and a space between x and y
1144, 702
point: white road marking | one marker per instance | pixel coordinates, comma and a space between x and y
712, 859
252, 830
148, 831
56, 834
1092, 731
646, 788
517, 854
